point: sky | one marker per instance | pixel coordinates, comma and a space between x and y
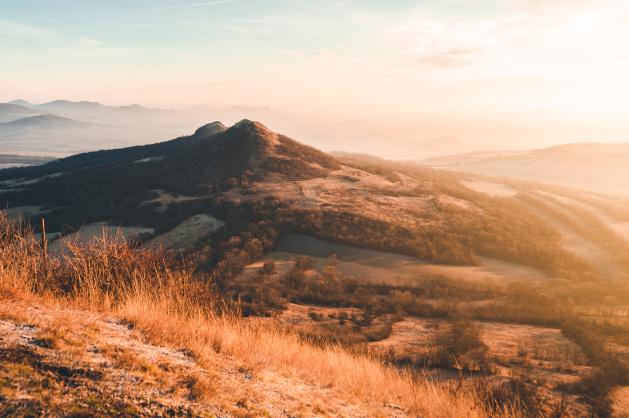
501, 73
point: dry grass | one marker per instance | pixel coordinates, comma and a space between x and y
173, 307
200, 388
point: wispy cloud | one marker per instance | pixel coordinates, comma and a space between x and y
138, 25
191, 5
261, 21
88, 42
521, 40
289, 52
9, 29
52, 44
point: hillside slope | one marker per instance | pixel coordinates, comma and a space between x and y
258, 185
388, 243
44, 350
114, 331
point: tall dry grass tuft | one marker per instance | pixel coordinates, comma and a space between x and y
174, 307
21, 263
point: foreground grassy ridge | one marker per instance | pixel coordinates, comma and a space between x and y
172, 307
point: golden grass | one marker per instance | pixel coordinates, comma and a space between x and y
172, 307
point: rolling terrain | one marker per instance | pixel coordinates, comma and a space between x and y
430, 271
247, 174
110, 330
115, 126
63, 127
203, 191
10, 112
48, 121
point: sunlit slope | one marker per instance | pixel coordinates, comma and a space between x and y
246, 187
595, 227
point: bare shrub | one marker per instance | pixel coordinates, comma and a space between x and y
461, 347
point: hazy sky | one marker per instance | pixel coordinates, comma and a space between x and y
527, 70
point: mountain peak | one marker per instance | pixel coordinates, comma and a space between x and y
134, 106
47, 117
211, 156
48, 121
69, 103
252, 125
20, 102
210, 129
257, 130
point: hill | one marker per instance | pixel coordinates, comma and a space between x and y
591, 166
248, 175
20, 102
70, 106
426, 270
39, 122
10, 112
97, 126
39, 134
97, 112
115, 331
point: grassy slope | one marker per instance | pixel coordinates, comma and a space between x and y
172, 308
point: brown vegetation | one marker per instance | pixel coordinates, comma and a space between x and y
569, 306
174, 308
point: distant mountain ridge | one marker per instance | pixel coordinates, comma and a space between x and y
11, 111
63, 105
95, 126
20, 102
127, 125
46, 121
